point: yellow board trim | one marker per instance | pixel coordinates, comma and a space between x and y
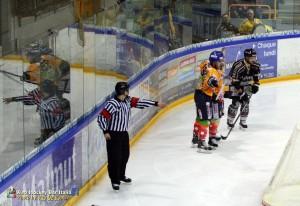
100, 174
281, 79
100, 72
14, 57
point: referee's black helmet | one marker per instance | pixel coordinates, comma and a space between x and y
121, 88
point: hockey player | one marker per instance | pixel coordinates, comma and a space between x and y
209, 102
44, 65
244, 76
203, 67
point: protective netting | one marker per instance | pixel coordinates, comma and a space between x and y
284, 188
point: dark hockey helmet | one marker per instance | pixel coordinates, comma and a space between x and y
121, 88
35, 51
249, 53
250, 56
215, 56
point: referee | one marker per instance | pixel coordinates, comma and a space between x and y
51, 113
113, 120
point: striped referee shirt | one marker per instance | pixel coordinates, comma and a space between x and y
32, 98
52, 116
116, 114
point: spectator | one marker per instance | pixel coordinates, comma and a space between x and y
144, 21
225, 28
248, 25
44, 65
238, 11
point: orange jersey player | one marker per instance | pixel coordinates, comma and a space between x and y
209, 103
203, 67
32, 74
45, 66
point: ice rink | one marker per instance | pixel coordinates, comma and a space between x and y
167, 171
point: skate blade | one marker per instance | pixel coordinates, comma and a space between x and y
193, 145
126, 183
242, 128
204, 151
212, 147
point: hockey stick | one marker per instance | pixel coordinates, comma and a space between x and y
235, 121
18, 82
11, 78
15, 75
10, 73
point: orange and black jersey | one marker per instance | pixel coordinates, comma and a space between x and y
212, 82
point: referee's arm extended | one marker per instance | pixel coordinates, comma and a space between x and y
105, 116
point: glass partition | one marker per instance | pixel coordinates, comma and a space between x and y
71, 69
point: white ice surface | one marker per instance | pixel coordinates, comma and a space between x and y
167, 171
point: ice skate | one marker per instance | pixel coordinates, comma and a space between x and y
230, 124
243, 125
195, 141
126, 180
218, 138
213, 142
203, 147
116, 187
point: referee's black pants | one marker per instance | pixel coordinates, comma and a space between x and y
118, 155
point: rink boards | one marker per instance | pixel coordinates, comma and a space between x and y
72, 157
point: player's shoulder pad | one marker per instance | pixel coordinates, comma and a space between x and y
238, 63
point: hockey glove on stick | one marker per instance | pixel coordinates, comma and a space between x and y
244, 97
254, 88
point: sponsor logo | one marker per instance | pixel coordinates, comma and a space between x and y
188, 61
11, 192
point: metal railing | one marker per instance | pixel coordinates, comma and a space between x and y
27, 8
268, 7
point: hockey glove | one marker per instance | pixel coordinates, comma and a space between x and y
213, 82
236, 84
244, 97
214, 98
228, 94
254, 88
25, 76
